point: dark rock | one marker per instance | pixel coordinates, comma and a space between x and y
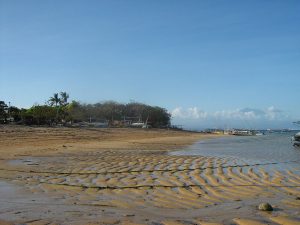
129, 215
265, 207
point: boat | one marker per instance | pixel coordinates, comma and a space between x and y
243, 132
138, 124
258, 133
296, 139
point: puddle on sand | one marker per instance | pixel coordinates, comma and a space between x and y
23, 162
19, 206
6, 190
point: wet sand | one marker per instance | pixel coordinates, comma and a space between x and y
126, 176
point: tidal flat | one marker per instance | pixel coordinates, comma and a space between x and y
132, 176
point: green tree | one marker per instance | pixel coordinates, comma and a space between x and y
3, 112
60, 102
112, 110
75, 112
40, 115
159, 117
135, 109
15, 113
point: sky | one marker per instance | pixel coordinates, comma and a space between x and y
210, 63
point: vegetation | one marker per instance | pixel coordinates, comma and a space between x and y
3, 112
59, 111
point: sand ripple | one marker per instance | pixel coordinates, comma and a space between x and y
148, 180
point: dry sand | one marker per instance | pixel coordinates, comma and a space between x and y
125, 176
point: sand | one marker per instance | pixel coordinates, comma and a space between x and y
126, 176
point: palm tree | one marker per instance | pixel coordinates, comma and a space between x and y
55, 100
64, 98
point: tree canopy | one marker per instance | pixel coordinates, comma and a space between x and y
59, 110
3, 111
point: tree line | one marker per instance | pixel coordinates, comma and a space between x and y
57, 110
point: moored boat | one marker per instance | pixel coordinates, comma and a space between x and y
296, 139
258, 133
243, 132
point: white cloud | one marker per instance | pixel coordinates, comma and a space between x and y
246, 114
189, 113
271, 113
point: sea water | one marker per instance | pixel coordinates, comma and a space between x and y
273, 150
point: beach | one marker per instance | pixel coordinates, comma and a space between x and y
131, 176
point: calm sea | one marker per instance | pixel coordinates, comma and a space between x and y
274, 149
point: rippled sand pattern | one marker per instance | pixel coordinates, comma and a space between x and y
131, 180
89, 176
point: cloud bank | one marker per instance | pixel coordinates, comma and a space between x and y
189, 113
262, 118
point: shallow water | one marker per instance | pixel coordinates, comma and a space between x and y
273, 150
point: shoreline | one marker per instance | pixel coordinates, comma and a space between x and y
117, 176
20, 140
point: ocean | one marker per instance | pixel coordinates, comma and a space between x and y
272, 151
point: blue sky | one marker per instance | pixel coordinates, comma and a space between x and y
210, 63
